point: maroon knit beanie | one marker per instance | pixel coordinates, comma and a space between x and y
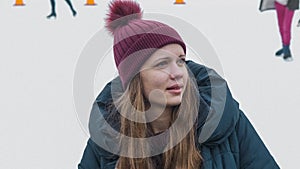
136, 39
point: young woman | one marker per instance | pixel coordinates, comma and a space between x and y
285, 12
164, 112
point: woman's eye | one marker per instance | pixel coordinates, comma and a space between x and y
161, 64
181, 61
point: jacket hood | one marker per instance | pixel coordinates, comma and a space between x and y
218, 111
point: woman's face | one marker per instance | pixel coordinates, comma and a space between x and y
164, 75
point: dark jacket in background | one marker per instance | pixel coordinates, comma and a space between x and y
270, 4
234, 144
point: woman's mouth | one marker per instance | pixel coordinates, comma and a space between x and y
175, 89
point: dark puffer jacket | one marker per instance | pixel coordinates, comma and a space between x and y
233, 144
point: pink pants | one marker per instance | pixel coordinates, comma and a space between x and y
284, 17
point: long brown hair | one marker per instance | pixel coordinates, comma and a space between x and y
184, 155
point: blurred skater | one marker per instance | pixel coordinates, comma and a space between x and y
285, 11
53, 13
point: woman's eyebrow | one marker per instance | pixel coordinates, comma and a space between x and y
162, 58
167, 58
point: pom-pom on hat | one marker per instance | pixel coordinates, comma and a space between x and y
135, 39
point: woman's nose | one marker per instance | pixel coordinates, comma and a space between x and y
176, 71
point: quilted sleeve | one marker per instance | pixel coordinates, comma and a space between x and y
90, 160
253, 152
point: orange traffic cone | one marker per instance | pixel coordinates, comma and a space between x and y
19, 3
179, 2
90, 2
